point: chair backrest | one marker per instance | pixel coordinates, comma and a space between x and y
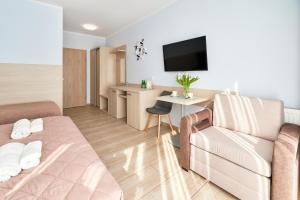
254, 116
162, 104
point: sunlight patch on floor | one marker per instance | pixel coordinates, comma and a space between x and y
145, 168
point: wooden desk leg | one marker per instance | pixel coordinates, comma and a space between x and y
170, 124
182, 115
158, 128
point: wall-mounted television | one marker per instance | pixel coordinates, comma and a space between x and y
187, 55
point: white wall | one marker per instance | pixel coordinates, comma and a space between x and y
31, 33
87, 42
255, 44
82, 41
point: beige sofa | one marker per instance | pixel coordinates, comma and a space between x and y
244, 147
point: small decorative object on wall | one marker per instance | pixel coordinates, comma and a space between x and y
140, 50
185, 80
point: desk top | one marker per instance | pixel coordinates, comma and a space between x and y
181, 100
131, 89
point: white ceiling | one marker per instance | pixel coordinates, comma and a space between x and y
110, 16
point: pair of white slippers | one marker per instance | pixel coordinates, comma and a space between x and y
14, 157
24, 127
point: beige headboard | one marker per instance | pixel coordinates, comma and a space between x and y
21, 83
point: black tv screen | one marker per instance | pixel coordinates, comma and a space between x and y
188, 55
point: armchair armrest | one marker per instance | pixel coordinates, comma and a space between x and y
285, 163
191, 124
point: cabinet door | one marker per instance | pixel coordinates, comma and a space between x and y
112, 102
107, 70
121, 106
133, 109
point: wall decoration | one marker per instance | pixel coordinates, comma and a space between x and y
140, 50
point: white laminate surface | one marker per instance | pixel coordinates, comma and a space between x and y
181, 100
131, 89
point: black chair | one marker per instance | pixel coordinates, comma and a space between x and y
161, 108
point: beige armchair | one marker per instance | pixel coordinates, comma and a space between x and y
244, 147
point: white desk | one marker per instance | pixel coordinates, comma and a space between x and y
175, 139
181, 100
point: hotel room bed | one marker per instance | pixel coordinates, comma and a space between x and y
69, 168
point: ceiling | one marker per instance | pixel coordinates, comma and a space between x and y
110, 16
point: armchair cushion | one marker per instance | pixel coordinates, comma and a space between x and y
252, 153
285, 165
258, 117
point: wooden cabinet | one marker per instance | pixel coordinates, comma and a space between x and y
108, 74
146, 100
103, 75
112, 108
108, 68
133, 104
133, 110
117, 103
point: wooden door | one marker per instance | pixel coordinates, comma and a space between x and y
98, 77
74, 73
94, 77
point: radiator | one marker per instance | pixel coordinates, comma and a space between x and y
292, 116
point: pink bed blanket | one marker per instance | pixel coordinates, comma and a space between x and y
69, 168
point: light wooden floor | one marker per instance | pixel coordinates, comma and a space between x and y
144, 168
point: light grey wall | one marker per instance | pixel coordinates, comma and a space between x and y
30, 33
82, 41
252, 44
87, 42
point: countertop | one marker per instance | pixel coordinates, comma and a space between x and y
181, 100
132, 89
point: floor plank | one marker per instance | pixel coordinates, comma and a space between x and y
144, 167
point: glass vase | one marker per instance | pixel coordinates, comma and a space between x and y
186, 92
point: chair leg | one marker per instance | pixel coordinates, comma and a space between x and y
148, 122
170, 124
158, 127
